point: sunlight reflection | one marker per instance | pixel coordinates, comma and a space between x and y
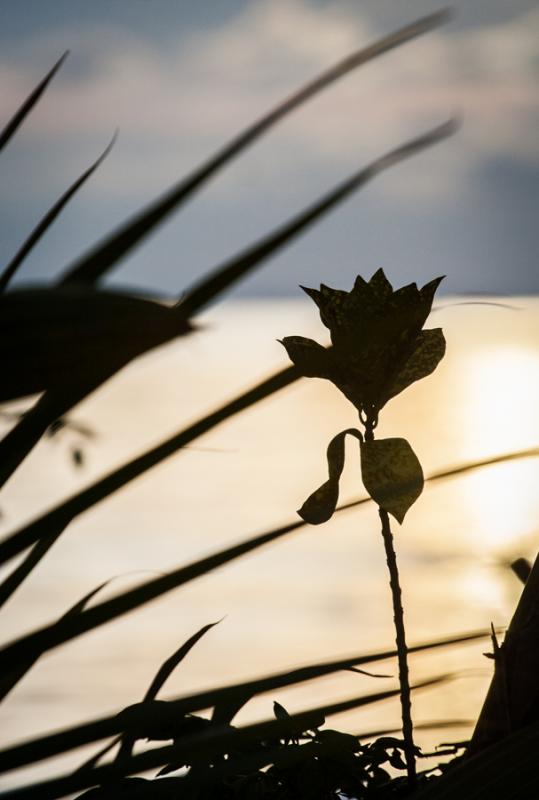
501, 397
482, 587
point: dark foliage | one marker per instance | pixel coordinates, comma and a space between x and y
66, 339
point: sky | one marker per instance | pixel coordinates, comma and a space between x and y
178, 79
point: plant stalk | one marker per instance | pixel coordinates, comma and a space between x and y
400, 636
402, 651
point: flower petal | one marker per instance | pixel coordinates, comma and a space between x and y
375, 332
426, 295
380, 284
312, 360
330, 302
429, 350
428, 290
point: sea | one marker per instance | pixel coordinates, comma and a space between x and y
317, 594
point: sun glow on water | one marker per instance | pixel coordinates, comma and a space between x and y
501, 416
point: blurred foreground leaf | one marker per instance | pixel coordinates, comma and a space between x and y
51, 338
206, 745
93, 265
29, 103
48, 219
64, 740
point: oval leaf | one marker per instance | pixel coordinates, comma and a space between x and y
392, 475
320, 506
428, 353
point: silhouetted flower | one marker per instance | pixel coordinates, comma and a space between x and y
378, 345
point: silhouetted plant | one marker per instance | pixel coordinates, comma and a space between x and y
378, 348
68, 338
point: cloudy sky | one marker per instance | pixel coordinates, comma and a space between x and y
179, 78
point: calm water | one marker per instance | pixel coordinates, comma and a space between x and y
318, 594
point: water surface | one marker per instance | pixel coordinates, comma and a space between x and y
321, 592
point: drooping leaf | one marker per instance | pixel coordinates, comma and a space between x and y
29, 103
48, 219
428, 353
321, 504
392, 474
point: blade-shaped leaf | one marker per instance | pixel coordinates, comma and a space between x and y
99, 260
53, 635
91, 762
216, 282
63, 336
321, 504
163, 673
10, 679
25, 439
70, 738
19, 441
224, 275
175, 659
51, 524
391, 474
55, 521
29, 103
207, 744
48, 219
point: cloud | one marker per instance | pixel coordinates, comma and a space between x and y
175, 105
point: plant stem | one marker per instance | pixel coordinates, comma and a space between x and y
398, 617
402, 651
